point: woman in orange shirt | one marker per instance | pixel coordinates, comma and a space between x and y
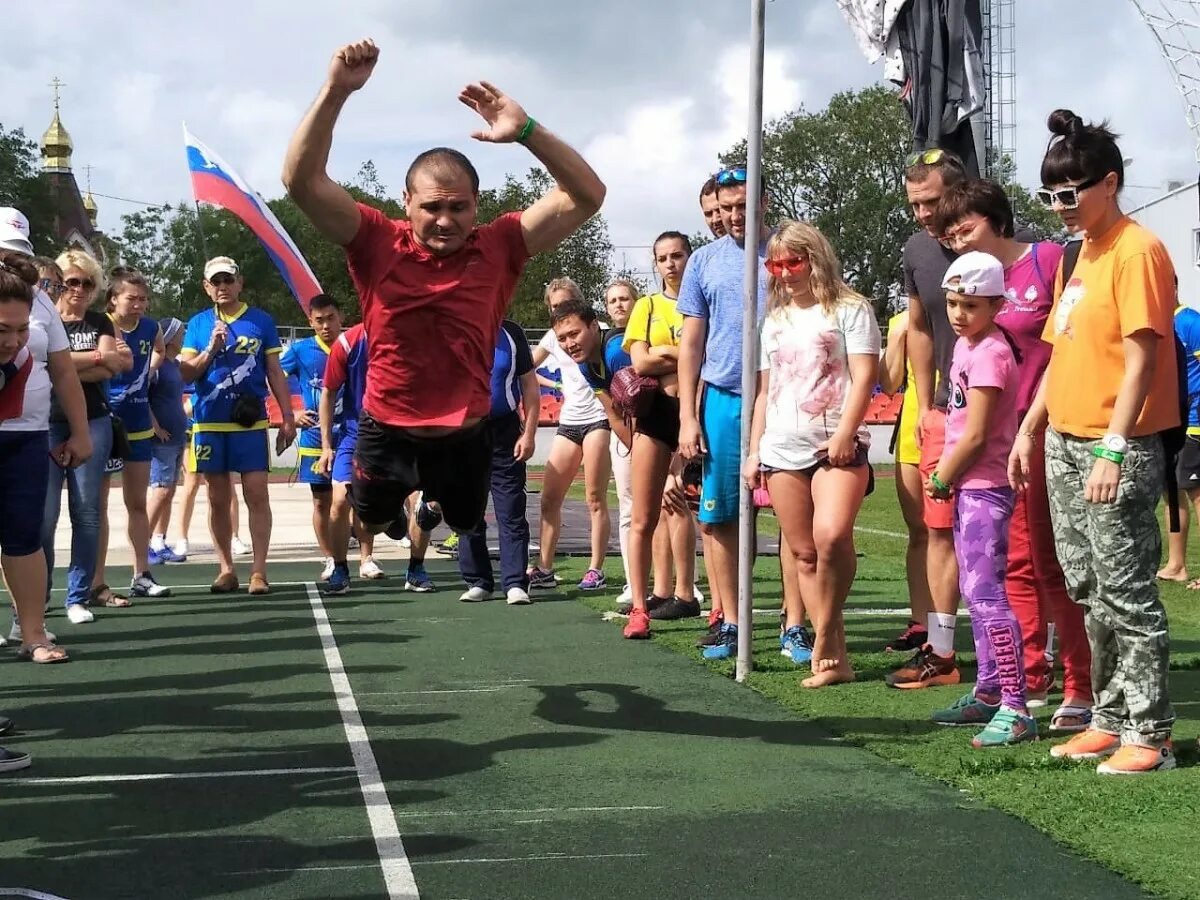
1109, 390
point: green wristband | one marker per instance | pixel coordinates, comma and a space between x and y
938, 484
527, 130
1111, 455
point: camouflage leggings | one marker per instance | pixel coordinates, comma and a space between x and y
1109, 553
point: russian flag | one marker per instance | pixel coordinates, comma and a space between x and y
215, 181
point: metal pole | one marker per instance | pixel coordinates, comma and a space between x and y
747, 533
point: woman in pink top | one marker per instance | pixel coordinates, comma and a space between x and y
977, 215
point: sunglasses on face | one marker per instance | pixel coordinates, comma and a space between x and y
785, 264
927, 157
727, 177
76, 283
1068, 197
52, 288
218, 280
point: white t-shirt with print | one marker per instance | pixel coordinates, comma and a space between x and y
806, 353
580, 405
46, 336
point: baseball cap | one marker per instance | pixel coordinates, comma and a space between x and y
976, 275
219, 264
14, 231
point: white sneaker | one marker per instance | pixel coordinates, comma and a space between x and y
181, 548
626, 596
698, 594
475, 595
79, 614
16, 636
353, 545
406, 542
517, 597
239, 548
371, 570
328, 570
146, 586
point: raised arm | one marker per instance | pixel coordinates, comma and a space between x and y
578, 191
326, 203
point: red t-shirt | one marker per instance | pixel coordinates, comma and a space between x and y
432, 322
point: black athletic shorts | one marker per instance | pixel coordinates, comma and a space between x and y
389, 464
1189, 464
661, 421
576, 433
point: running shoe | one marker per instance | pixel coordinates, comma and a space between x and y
675, 608
517, 597
181, 549
353, 545
418, 580
80, 614
327, 570
638, 626
711, 636
625, 597
11, 760
154, 556
337, 583
475, 594
966, 710
1090, 744
171, 557
924, 669
653, 602
450, 545
1007, 727
371, 570
593, 580
913, 637
796, 645
1139, 759
240, 547
406, 543
6, 725
725, 645
145, 586
542, 579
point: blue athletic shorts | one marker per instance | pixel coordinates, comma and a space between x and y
343, 460
24, 478
231, 451
141, 449
164, 464
308, 448
721, 484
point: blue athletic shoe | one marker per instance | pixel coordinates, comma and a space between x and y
726, 643
796, 644
418, 580
154, 557
338, 582
167, 555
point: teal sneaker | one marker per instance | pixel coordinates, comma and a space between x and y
1007, 727
966, 710
796, 645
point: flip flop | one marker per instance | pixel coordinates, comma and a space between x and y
103, 595
1193, 585
53, 653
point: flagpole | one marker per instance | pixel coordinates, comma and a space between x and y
747, 532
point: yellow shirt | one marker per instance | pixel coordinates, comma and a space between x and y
1124, 283
660, 328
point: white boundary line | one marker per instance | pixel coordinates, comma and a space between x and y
182, 776
28, 892
881, 532
397, 872
274, 584
545, 809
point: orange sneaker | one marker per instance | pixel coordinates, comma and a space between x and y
924, 669
639, 624
1138, 759
1090, 744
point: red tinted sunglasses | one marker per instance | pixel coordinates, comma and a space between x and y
785, 264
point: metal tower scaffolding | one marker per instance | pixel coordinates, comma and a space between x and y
999, 39
1176, 27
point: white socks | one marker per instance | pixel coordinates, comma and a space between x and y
158, 542
941, 633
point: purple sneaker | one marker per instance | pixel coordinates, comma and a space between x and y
593, 580
167, 555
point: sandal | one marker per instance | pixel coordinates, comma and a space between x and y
50, 653
103, 595
1070, 719
1193, 585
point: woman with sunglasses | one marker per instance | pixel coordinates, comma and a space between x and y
652, 342
97, 357
817, 369
977, 215
129, 399
1109, 391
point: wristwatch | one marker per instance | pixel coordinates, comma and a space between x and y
1114, 443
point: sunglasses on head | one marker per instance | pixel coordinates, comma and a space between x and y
735, 175
779, 265
76, 283
926, 157
1068, 197
221, 278
51, 287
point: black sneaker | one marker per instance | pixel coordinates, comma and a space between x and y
710, 637
6, 724
398, 530
11, 760
653, 602
676, 608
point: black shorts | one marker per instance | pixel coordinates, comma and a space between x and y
661, 421
389, 464
1189, 464
576, 433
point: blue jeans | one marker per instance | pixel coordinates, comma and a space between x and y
83, 505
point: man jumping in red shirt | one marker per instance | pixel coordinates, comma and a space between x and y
433, 289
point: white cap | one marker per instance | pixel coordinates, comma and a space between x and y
219, 264
976, 275
14, 231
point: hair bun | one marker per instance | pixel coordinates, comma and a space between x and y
1064, 122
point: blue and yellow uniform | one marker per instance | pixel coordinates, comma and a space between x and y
613, 358
129, 392
219, 444
305, 360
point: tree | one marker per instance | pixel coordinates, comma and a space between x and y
22, 186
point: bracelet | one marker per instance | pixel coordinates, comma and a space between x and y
1111, 455
527, 130
1030, 434
938, 484
98, 357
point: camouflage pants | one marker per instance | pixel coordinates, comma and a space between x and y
1109, 553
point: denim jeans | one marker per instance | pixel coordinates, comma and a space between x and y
83, 505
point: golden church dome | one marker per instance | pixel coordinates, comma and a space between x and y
56, 145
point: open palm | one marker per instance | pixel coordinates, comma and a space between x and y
504, 115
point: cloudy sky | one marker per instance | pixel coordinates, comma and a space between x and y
650, 92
